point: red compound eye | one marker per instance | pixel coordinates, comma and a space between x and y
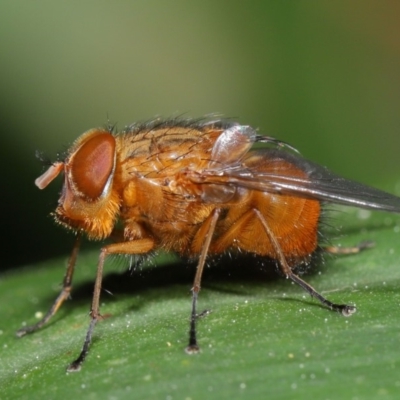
92, 165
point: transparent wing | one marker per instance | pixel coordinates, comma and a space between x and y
277, 171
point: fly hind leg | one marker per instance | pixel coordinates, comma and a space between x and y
366, 244
344, 309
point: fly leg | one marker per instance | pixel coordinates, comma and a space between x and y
367, 244
135, 247
205, 234
344, 309
64, 294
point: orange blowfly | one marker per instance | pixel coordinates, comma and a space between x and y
197, 188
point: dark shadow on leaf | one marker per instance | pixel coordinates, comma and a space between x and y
159, 282
156, 280
224, 274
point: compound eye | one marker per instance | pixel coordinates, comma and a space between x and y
92, 164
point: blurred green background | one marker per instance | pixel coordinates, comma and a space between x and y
321, 75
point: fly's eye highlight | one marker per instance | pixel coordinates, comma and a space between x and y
92, 164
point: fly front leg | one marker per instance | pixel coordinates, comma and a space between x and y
64, 294
344, 309
135, 247
205, 235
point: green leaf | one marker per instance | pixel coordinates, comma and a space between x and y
265, 337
